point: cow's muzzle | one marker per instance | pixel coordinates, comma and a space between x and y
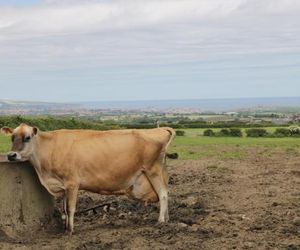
13, 156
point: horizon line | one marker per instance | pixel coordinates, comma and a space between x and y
147, 100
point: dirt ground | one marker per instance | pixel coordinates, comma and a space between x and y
248, 203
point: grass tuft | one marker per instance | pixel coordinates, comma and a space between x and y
4, 143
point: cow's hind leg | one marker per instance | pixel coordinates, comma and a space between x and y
65, 215
71, 198
155, 176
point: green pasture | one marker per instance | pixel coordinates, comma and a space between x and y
242, 141
4, 143
195, 146
198, 147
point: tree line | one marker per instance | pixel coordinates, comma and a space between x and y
48, 123
53, 123
253, 132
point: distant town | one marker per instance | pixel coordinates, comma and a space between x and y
276, 111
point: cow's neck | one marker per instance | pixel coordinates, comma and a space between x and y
41, 160
41, 154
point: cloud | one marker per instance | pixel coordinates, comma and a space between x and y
69, 17
58, 34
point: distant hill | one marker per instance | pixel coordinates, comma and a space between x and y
9, 107
13, 103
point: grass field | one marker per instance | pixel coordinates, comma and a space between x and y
4, 143
195, 146
198, 147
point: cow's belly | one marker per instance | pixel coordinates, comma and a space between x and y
135, 185
111, 176
138, 187
108, 183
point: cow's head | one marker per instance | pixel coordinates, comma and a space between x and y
23, 138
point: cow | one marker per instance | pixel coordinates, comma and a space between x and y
119, 162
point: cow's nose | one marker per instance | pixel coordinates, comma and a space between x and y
12, 156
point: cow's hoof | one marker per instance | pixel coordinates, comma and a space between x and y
163, 221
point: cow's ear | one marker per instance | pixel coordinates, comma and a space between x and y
35, 130
6, 131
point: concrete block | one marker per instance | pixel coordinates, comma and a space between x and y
25, 205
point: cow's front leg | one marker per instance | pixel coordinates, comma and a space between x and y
71, 195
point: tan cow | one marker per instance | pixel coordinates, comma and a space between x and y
107, 162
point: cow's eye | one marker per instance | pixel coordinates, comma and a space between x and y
26, 139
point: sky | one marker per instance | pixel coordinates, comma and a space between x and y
105, 50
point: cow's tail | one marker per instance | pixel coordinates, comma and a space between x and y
164, 153
172, 136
